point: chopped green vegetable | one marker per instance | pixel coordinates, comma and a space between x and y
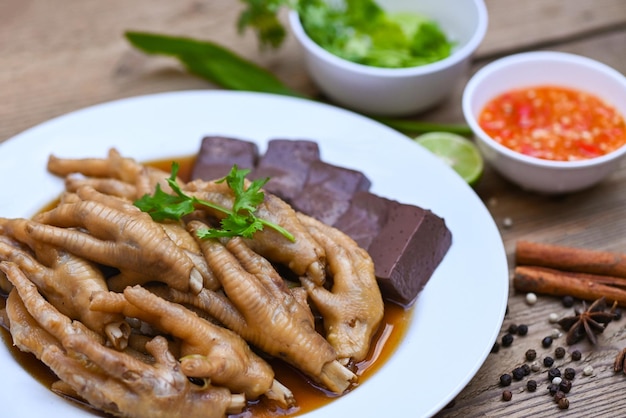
362, 32
212, 62
240, 221
356, 30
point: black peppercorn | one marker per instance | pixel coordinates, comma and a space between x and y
568, 301
522, 329
553, 389
531, 385
569, 373
507, 340
576, 355
558, 396
531, 354
518, 373
526, 369
546, 342
496, 347
507, 395
565, 386
512, 329
554, 372
559, 352
564, 403
548, 361
505, 379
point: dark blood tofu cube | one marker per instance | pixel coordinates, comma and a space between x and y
364, 218
328, 190
407, 251
218, 154
286, 163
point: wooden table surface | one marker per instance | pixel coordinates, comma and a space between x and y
59, 56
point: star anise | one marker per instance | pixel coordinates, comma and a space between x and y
589, 322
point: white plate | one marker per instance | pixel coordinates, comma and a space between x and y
457, 316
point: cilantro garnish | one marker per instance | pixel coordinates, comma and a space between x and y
240, 221
357, 30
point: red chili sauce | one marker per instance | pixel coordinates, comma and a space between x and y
554, 123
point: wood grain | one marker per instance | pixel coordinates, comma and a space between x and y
538, 23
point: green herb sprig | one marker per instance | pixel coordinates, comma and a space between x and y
240, 221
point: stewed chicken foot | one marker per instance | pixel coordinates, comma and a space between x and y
114, 166
207, 350
109, 380
265, 312
353, 308
215, 306
175, 230
107, 186
115, 175
116, 182
55, 324
66, 280
117, 235
131, 388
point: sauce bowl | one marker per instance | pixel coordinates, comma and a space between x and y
544, 68
399, 91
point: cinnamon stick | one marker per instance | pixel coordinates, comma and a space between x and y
596, 278
559, 283
570, 259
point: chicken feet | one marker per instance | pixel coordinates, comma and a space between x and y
66, 280
353, 308
109, 380
267, 314
207, 350
118, 235
115, 175
304, 256
175, 230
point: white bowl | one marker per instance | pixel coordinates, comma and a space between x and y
399, 91
536, 69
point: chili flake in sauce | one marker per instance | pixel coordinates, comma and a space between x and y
554, 123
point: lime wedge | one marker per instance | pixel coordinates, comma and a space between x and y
457, 151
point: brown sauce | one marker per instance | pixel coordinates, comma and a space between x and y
309, 396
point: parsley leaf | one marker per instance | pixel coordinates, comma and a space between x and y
240, 221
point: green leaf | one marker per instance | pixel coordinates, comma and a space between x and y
362, 32
262, 17
429, 42
240, 221
162, 206
212, 62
